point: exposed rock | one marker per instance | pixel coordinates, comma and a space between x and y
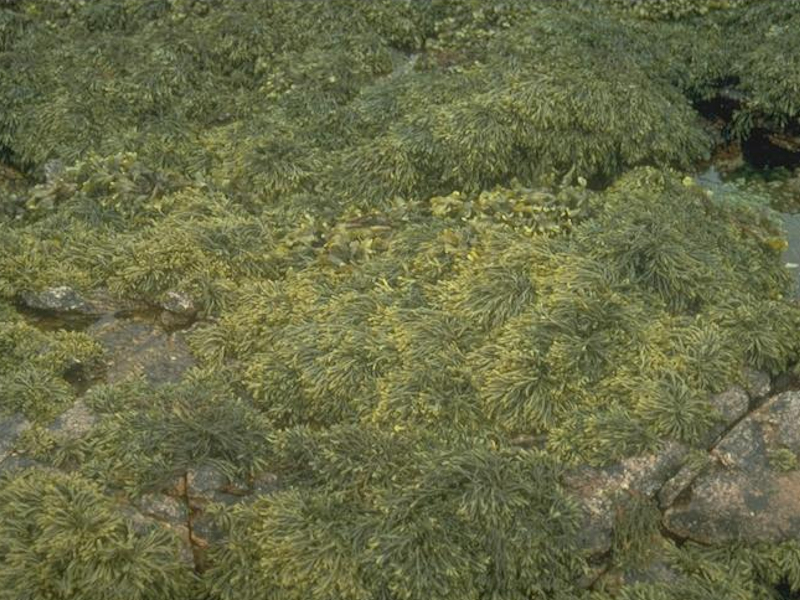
179, 303
10, 429
265, 483
742, 497
758, 384
179, 310
75, 422
17, 462
164, 508
732, 405
137, 346
53, 169
598, 491
58, 299
675, 486
205, 480
143, 525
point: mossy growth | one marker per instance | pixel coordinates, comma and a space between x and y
61, 538
415, 232
383, 536
35, 366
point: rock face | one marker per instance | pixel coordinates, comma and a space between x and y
57, 299
10, 429
745, 492
599, 491
137, 346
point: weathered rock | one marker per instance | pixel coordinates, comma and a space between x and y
205, 480
265, 483
682, 480
179, 310
758, 384
136, 346
75, 422
10, 429
164, 508
732, 404
16, 462
58, 299
742, 497
599, 490
143, 525
179, 303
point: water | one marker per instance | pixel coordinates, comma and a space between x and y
777, 190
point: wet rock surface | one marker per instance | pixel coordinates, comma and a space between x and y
138, 346
11, 427
75, 422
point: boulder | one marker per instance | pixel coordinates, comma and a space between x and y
600, 490
61, 298
746, 493
732, 405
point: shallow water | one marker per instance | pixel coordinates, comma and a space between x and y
771, 183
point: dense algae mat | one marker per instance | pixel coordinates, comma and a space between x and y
416, 233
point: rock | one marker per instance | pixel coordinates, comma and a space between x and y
743, 496
265, 483
10, 429
655, 570
164, 508
143, 525
57, 299
179, 304
598, 491
179, 311
137, 346
17, 462
205, 480
732, 405
53, 169
75, 422
684, 478
758, 384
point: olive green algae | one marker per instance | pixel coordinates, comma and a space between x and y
415, 233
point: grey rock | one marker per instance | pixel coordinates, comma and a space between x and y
11, 427
205, 530
654, 569
137, 346
143, 525
16, 462
599, 490
265, 483
732, 404
757, 383
53, 169
682, 480
164, 508
741, 497
205, 480
57, 299
75, 422
179, 303
179, 311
